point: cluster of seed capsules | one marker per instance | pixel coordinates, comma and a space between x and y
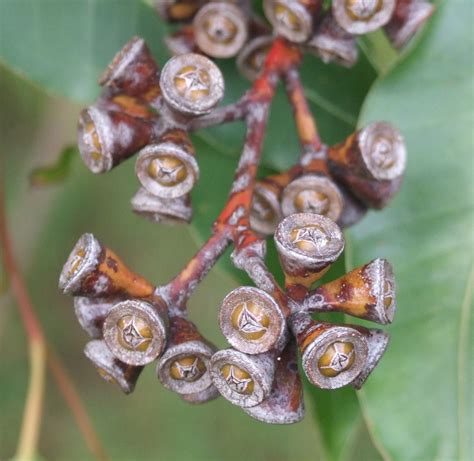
229, 28
133, 323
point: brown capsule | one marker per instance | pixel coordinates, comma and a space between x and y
168, 169
221, 29
252, 321
362, 16
192, 84
95, 271
265, 213
377, 342
285, 405
135, 331
332, 355
184, 367
312, 193
408, 18
367, 292
307, 245
370, 163
91, 313
353, 210
162, 210
245, 380
332, 43
252, 56
107, 138
204, 396
133, 71
177, 10
182, 41
293, 19
110, 368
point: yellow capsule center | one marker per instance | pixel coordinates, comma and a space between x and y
363, 10
93, 140
193, 83
189, 368
250, 320
312, 201
134, 333
310, 239
338, 357
383, 153
388, 295
287, 18
220, 29
167, 170
77, 259
238, 379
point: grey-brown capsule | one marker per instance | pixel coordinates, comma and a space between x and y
221, 29
312, 193
91, 313
252, 56
265, 213
204, 396
245, 380
110, 368
177, 10
252, 321
162, 210
362, 16
135, 332
192, 84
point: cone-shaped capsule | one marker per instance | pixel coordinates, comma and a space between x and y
110, 368
91, 313
332, 43
252, 321
408, 18
307, 245
182, 41
135, 331
377, 342
265, 213
367, 292
107, 138
252, 56
184, 367
353, 210
192, 84
221, 29
168, 169
244, 380
371, 163
94, 270
177, 10
285, 405
162, 210
362, 16
312, 193
293, 19
332, 355
133, 71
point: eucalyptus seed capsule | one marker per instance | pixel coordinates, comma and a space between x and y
192, 84
95, 271
182, 41
251, 59
177, 10
332, 43
293, 19
133, 71
312, 193
409, 17
162, 210
252, 321
265, 213
244, 380
332, 355
107, 138
184, 367
307, 245
221, 29
110, 368
91, 313
362, 16
135, 331
168, 169
371, 163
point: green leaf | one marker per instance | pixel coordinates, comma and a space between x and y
65, 46
419, 401
54, 174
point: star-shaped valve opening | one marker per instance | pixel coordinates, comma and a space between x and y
237, 379
310, 238
134, 333
363, 10
220, 29
250, 320
192, 83
338, 357
189, 368
167, 170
